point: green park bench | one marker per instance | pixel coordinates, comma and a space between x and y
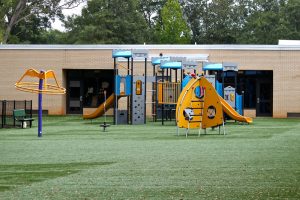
20, 115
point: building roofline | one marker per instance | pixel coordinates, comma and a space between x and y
153, 47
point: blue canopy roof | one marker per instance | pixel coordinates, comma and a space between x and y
157, 60
122, 54
216, 66
171, 65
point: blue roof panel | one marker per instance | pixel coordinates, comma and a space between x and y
158, 60
217, 66
122, 54
171, 65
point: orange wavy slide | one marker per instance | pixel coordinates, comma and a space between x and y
100, 110
232, 113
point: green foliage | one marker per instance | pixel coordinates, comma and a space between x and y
4, 6
152, 21
151, 10
108, 22
242, 21
16, 15
291, 15
30, 31
173, 28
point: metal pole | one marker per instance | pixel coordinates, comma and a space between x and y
235, 86
104, 107
2, 113
167, 74
128, 97
40, 103
30, 108
181, 77
4, 119
162, 97
243, 102
223, 81
115, 80
153, 93
145, 107
14, 109
131, 96
156, 97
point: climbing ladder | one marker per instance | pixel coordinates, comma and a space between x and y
199, 109
194, 113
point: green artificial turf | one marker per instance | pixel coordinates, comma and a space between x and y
76, 160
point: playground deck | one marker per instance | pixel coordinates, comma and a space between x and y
76, 160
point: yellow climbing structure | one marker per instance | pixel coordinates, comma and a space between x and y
194, 111
200, 106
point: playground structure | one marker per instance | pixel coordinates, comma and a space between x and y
169, 92
200, 106
41, 87
132, 87
223, 76
167, 89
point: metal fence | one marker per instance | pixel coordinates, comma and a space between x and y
8, 106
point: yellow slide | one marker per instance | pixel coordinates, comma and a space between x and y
232, 113
100, 110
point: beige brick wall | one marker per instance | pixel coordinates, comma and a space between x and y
284, 63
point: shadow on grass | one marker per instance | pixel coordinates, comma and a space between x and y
25, 174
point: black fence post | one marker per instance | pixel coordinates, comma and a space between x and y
25, 107
30, 112
13, 112
2, 114
243, 102
30, 108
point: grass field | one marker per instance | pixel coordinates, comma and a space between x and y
75, 160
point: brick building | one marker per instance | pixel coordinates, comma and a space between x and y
268, 74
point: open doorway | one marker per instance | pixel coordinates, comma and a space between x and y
85, 88
258, 90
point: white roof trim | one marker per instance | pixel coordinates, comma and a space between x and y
153, 47
189, 57
289, 42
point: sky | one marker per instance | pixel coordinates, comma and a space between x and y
57, 24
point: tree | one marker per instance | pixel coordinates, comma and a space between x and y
266, 23
108, 22
215, 22
151, 10
291, 15
14, 12
173, 28
195, 12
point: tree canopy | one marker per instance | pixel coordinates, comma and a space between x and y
173, 29
151, 21
21, 15
108, 22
